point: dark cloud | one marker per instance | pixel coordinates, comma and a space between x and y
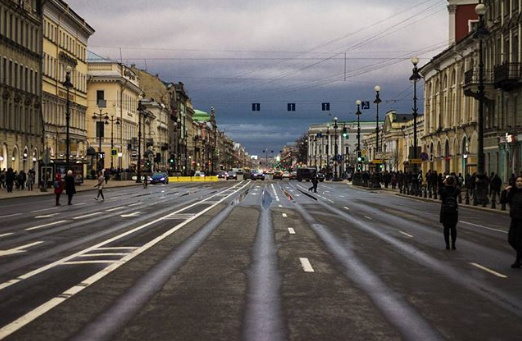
231, 53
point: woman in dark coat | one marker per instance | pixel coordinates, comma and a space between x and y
58, 187
514, 198
70, 188
449, 214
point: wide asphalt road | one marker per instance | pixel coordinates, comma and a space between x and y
261, 260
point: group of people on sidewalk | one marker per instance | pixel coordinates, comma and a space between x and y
449, 194
68, 184
10, 179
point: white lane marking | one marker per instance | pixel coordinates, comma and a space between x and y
368, 217
6, 234
275, 193
42, 309
19, 249
45, 225
406, 234
137, 203
341, 196
10, 215
284, 215
280, 205
291, 230
46, 216
45, 209
80, 203
330, 201
298, 195
115, 209
118, 248
484, 227
104, 254
488, 270
87, 215
307, 266
130, 215
346, 208
90, 262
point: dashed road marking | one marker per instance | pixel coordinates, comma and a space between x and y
6, 234
115, 209
45, 225
45, 209
19, 249
484, 227
291, 230
406, 234
346, 208
368, 217
307, 266
46, 216
284, 215
86, 215
488, 270
10, 215
280, 205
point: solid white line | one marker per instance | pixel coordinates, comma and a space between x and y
87, 215
404, 233
45, 225
346, 208
42, 309
115, 209
6, 234
10, 215
307, 266
291, 230
484, 227
284, 215
488, 270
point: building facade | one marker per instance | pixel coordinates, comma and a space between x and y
65, 38
21, 122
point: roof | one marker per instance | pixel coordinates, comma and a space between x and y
96, 58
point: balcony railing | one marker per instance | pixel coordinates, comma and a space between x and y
471, 77
508, 76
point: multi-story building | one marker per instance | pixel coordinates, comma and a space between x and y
65, 37
21, 124
182, 108
322, 141
113, 92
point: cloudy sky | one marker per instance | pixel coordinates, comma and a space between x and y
232, 53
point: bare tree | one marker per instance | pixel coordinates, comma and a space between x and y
302, 148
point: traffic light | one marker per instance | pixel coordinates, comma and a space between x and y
171, 159
345, 132
359, 159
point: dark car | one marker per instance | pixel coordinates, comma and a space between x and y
320, 177
159, 178
278, 175
256, 174
231, 175
221, 174
305, 174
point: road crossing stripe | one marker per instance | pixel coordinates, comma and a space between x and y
115, 209
89, 262
103, 254
307, 266
346, 208
45, 225
404, 233
86, 215
137, 203
488, 270
284, 215
291, 230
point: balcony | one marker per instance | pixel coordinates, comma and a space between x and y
471, 80
508, 76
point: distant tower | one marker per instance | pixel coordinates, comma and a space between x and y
462, 18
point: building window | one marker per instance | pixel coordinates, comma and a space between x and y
100, 97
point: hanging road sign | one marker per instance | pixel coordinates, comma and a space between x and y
256, 106
291, 107
365, 105
326, 106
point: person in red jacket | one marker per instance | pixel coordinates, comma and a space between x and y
58, 187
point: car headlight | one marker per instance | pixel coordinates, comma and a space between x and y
162, 179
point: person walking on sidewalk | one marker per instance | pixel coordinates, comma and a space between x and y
58, 187
514, 198
449, 214
31, 175
9, 180
100, 184
70, 187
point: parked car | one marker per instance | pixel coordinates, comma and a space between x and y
305, 174
286, 175
221, 175
256, 174
293, 175
199, 173
231, 175
278, 175
159, 177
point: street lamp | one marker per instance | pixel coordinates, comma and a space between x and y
138, 168
415, 77
358, 113
328, 150
100, 132
68, 85
336, 151
377, 101
112, 120
480, 192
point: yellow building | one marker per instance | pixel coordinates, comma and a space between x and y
64, 47
113, 96
21, 125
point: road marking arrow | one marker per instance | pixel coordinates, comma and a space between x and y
19, 249
130, 215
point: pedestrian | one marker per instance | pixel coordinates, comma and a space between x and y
9, 179
315, 180
107, 175
30, 179
2, 178
514, 198
22, 178
100, 184
58, 187
70, 187
449, 214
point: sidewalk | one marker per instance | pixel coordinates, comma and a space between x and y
463, 204
88, 185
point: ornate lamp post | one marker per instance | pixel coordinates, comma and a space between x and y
377, 101
68, 85
415, 77
336, 152
480, 192
112, 120
138, 166
358, 113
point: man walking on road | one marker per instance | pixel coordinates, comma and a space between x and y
449, 214
70, 187
100, 184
